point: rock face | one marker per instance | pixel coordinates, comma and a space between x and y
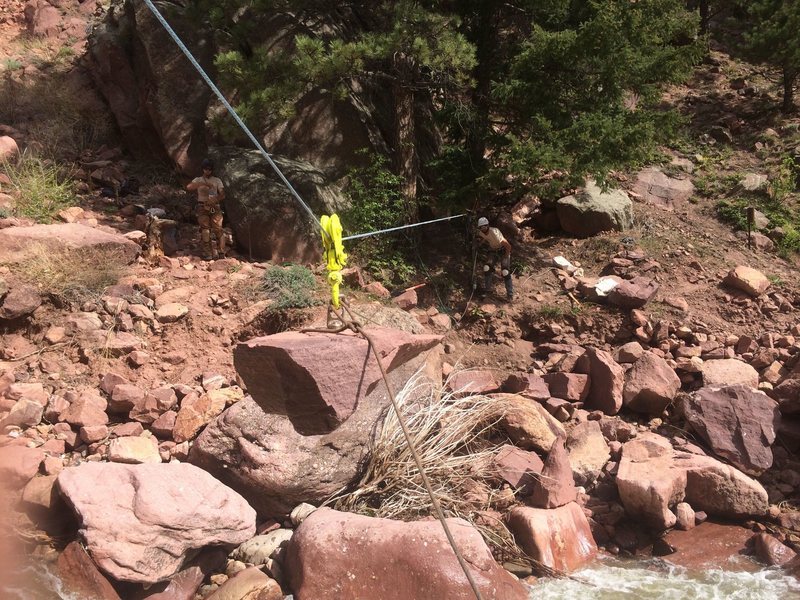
650, 385
141, 521
264, 458
737, 422
653, 477
267, 220
157, 98
391, 560
591, 211
559, 538
588, 451
17, 243
662, 191
317, 379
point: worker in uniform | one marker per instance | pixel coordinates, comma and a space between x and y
496, 249
210, 194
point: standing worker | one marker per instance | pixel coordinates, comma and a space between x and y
210, 194
499, 250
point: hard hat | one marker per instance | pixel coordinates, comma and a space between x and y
483, 222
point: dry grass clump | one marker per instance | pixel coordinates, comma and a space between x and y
456, 438
71, 276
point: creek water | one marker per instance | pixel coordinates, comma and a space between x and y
613, 579
606, 579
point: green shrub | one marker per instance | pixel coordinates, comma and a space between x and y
42, 189
290, 287
376, 202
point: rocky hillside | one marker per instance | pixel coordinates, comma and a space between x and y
167, 430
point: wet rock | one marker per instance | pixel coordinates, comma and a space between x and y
559, 538
176, 507
79, 576
737, 422
650, 385
318, 379
710, 545
770, 551
414, 560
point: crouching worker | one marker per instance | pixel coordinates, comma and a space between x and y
498, 251
210, 194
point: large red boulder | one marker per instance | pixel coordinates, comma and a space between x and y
737, 422
650, 385
653, 477
18, 243
607, 380
264, 458
335, 555
140, 522
559, 538
318, 379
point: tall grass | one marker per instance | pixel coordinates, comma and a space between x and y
40, 187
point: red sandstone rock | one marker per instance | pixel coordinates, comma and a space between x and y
737, 422
318, 379
176, 507
650, 385
607, 381
391, 560
555, 486
559, 538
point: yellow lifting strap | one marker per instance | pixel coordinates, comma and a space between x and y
333, 253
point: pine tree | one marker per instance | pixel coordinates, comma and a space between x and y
773, 37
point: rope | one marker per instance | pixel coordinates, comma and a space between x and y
352, 324
232, 112
363, 235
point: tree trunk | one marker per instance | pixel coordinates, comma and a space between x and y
485, 40
789, 76
406, 159
704, 16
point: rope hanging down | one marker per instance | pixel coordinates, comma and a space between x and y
345, 316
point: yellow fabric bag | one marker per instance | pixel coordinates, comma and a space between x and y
333, 253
